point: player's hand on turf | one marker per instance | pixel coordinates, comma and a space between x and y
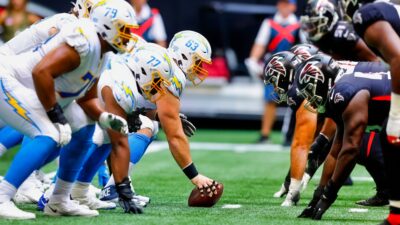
56, 116
309, 210
393, 130
114, 122
125, 199
206, 185
188, 126
323, 204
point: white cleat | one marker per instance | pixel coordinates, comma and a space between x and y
282, 192
94, 191
30, 191
304, 182
69, 208
8, 210
292, 199
94, 203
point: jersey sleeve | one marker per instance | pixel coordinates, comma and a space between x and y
264, 33
74, 35
339, 97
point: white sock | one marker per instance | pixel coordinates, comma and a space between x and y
294, 185
61, 191
395, 204
7, 191
3, 150
80, 189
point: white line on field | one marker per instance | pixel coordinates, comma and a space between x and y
162, 145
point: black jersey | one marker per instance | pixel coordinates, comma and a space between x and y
339, 42
379, 86
294, 100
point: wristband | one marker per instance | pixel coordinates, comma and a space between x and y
190, 171
56, 115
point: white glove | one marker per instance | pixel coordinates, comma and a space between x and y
114, 122
65, 133
393, 124
255, 69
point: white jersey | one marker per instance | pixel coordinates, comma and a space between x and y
82, 36
117, 76
36, 34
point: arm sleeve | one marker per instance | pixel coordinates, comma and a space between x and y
264, 33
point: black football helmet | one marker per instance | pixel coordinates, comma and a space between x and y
316, 77
279, 71
304, 51
349, 7
320, 18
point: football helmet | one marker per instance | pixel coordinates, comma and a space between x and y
153, 69
316, 77
349, 7
320, 18
304, 51
279, 72
114, 21
191, 50
83, 7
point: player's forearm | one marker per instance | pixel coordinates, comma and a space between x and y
44, 85
180, 150
92, 108
345, 164
120, 156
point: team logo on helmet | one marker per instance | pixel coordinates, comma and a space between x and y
302, 52
311, 71
275, 67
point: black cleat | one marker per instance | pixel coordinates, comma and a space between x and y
374, 201
348, 182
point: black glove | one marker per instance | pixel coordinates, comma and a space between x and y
308, 212
56, 115
318, 152
327, 199
126, 197
134, 122
188, 127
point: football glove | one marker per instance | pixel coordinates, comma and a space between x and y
56, 116
318, 152
308, 212
327, 199
134, 122
114, 122
125, 199
188, 128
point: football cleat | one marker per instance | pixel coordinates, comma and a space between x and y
69, 208
8, 210
292, 199
94, 203
109, 194
30, 191
282, 192
375, 200
44, 199
94, 191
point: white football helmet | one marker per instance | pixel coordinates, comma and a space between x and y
114, 21
83, 7
190, 50
153, 69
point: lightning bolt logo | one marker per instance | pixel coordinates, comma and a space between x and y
16, 105
177, 84
128, 92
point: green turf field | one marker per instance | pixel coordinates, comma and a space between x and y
250, 180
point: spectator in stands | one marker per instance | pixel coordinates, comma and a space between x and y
15, 18
151, 24
277, 34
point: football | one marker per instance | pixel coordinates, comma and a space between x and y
197, 200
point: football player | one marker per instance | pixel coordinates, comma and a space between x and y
38, 85
347, 100
332, 34
378, 24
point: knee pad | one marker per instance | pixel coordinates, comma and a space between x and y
149, 124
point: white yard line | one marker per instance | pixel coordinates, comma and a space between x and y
209, 146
